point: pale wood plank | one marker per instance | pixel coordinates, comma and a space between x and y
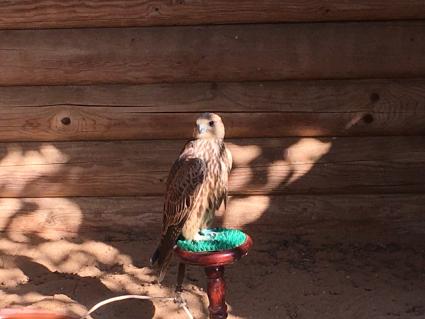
306, 108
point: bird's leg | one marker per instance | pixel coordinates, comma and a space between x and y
208, 232
199, 237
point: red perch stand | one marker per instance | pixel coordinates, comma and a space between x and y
213, 263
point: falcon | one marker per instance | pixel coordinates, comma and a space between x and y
196, 187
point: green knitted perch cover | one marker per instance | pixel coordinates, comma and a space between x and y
222, 239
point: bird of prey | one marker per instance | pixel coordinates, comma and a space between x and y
195, 188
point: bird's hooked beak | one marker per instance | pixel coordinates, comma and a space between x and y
202, 128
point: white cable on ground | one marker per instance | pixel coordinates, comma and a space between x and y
176, 299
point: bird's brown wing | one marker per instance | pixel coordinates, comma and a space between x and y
183, 187
226, 157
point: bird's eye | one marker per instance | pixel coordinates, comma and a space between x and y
211, 123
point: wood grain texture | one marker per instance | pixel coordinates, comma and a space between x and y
56, 217
212, 53
269, 96
106, 13
262, 166
164, 111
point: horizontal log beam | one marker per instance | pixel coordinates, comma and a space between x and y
213, 53
164, 111
94, 13
261, 166
54, 218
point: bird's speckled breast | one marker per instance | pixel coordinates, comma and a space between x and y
213, 189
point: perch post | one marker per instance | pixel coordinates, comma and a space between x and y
213, 263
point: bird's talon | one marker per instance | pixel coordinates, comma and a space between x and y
207, 234
200, 237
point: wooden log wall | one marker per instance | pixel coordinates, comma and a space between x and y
323, 102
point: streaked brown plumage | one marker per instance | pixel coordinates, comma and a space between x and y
196, 187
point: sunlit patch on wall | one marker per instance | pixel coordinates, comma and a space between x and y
245, 210
280, 172
47, 218
243, 155
32, 165
302, 156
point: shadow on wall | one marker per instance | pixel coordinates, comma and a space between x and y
76, 251
269, 167
46, 261
50, 256
327, 217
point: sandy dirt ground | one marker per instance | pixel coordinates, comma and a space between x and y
353, 274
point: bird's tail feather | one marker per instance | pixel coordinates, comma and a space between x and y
154, 257
164, 252
164, 267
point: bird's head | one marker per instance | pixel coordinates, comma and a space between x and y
208, 125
